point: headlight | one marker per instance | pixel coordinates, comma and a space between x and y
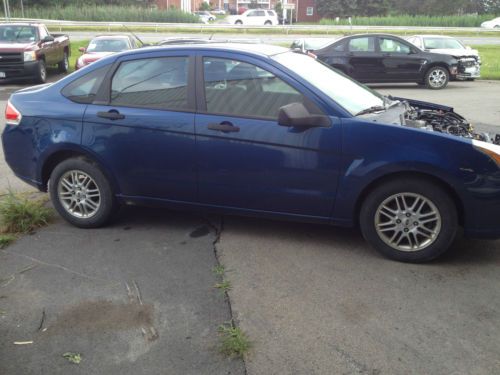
29, 56
493, 151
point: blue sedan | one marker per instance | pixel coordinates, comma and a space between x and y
254, 130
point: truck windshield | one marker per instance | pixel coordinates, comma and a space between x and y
351, 95
17, 33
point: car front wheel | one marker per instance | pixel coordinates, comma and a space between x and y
437, 78
81, 193
409, 220
238, 22
41, 74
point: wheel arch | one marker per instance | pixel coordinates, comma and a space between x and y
57, 156
396, 175
440, 64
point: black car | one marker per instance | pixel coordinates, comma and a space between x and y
386, 58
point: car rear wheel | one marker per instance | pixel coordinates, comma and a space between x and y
409, 220
268, 23
63, 65
437, 78
81, 193
238, 22
41, 73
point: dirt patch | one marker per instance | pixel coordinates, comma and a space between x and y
98, 316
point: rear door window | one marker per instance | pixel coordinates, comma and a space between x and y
364, 44
157, 83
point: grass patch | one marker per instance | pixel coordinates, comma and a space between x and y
75, 54
219, 270
233, 341
490, 57
22, 215
6, 240
466, 20
224, 286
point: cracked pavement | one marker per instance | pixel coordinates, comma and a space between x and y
313, 299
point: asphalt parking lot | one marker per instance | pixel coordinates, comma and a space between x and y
313, 299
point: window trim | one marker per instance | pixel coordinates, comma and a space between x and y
200, 89
375, 41
311, 13
103, 96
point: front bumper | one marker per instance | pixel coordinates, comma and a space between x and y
469, 70
12, 71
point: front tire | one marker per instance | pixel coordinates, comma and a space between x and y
437, 78
81, 193
238, 22
268, 23
409, 220
63, 66
41, 74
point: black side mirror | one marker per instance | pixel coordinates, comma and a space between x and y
48, 38
297, 115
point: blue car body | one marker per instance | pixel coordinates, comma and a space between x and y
169, 158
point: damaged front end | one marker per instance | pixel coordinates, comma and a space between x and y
437, 118
468, 68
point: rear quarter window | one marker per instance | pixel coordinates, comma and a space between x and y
84, 89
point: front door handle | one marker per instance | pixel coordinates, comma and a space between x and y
225, 127
111, 115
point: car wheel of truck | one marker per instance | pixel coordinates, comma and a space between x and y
41, 75
409, 220
81, 193
437, 78
63, 65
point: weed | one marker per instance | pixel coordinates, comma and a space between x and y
224, 286
75, 358
6, 240
218, 270
233, 341
22, 215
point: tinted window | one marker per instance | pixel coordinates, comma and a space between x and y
365, 44
84, 89
241, 89
393, 46
159, 83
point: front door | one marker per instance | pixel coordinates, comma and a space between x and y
245, 159
144, 130
399, 61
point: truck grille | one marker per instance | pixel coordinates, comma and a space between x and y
10, 58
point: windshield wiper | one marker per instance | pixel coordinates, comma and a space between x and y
375, 108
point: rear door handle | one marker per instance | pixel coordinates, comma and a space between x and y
111, 115
225, 127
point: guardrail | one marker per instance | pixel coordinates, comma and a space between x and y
285, 28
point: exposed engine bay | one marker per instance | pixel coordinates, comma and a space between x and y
433, 117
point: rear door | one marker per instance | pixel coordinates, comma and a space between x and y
364, 61
248, 161
142, 126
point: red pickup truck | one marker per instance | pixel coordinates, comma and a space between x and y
26, 49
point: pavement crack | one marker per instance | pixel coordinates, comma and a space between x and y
66, 269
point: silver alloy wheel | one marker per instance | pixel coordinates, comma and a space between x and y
43, 71
79, 194
66, 61
407, 222
437, 78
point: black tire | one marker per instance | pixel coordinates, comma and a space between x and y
431, 191
268, 23
107, 204
238, 22
41, 73
63, 65
437, 78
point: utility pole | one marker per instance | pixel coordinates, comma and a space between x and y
6, 9
22, 9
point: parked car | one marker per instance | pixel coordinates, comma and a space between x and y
386, 58
205, 14
102, 46
492, 24
254, 130
255, 17
219, 11
311, 44
469, 61
26, 49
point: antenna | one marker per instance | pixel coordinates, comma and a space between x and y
135, 36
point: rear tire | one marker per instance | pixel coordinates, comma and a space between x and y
409, 220
268, 23
41, 74
238, 22
63, 66
81, 193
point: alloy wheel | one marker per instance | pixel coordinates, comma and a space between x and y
437, 78
79, 194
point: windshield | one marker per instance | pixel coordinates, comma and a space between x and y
13, 34
108, 45
350, 94
442, 43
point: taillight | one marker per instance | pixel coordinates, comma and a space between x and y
12, 115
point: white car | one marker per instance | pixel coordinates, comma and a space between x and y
491, 24
259, 17
205, 14
469, 60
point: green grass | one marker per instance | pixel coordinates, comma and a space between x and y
22, 215
75, 54
224, 286
233, 341
490, 57
467, 20
6, 240
98, 13
219, 270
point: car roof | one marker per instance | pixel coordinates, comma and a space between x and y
434, 36
34, 24
263, 50
111, 37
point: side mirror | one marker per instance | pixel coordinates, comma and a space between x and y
82, 49
48, 38
297, 115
